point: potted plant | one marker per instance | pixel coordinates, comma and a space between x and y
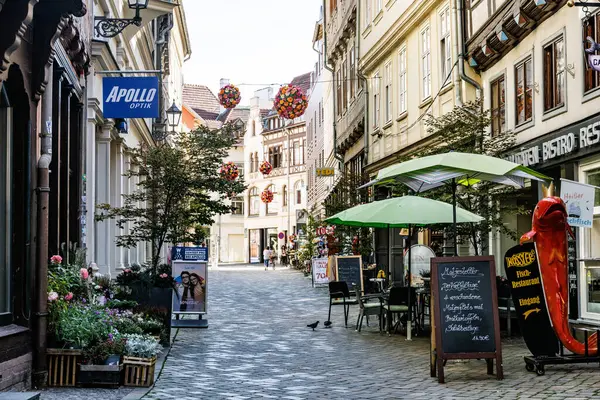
140, 359
102, 362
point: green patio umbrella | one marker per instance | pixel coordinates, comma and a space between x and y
403, 212
421, 174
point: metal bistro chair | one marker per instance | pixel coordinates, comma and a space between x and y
367, 309
340, 295
397, 303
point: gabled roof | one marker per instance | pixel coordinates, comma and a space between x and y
242, 113
199, 97
302, 81
264, 112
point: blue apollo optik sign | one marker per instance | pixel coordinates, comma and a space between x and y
130, 97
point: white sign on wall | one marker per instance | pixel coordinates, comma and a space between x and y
579, 199
319, 271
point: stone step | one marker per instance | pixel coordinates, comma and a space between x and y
19, 395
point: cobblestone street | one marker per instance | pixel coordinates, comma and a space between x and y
258, 346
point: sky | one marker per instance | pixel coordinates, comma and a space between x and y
252, 42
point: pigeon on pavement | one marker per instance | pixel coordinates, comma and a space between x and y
327, 324
313, 326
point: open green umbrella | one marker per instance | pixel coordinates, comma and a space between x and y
403, 212
421, 174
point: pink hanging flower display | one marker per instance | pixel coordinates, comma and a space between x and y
265, 168
55, 260
229, 96
84, 273
230, 171
266, 196
290, 102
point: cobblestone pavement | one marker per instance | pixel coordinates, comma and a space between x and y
258, 346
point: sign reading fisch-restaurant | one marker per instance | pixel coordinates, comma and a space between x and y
575, 140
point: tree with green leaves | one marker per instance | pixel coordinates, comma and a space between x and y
466, 129
179, 188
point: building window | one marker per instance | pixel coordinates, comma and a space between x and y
339, 92
241, 170
378, 6
402, 80
237, 205
426, 62
376, 101
445, 49
284, 196
498, 109
368, 12
254, 201
298, 187
273, 206
353, 81
554, 74
524, 90
298, 152
252, 163
388, 92
275, 155
345, 83
592, 29
320, 110
256, 161
332, 5
253, 128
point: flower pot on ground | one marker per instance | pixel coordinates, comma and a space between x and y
99, 375
102, 365
140, 360
62, 366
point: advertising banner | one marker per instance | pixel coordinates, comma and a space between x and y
189, 253
579, 199
523, 273
190, 281
130, 97
319, 271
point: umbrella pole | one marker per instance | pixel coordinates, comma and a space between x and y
409, 321
454, 217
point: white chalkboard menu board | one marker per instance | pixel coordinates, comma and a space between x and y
466, 310
349, 269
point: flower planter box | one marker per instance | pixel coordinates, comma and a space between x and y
62, 366
139, 371
99, 375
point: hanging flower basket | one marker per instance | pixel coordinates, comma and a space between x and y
266, 196
265, 168
229, 96
230, 171
290, 102
292, 238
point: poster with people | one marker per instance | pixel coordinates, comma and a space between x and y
190, 283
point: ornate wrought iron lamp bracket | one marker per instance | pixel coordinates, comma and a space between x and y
111, 27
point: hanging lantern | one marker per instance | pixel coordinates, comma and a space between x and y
266, 196
290, 102
265, 168
229, 96
230, 171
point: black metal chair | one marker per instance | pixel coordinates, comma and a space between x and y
397, 303
340, 295
368, 307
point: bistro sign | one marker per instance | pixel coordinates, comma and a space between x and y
568, 141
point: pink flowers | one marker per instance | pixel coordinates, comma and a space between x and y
163, 276
84, 273
52, 296
55, 260
127, 271
69, 296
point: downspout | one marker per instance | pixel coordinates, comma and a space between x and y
43, 204
461, 47
337, 156
366, 88
455, 56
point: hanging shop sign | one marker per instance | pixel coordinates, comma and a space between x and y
575, 140
593, 59
579, 200
325, 171
130, 97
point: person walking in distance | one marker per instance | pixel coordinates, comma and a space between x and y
267, 256
273, 257
284, 255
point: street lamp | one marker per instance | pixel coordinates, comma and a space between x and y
111, 27
173, 116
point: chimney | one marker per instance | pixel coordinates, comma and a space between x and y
222, 82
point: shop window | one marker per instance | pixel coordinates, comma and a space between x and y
524, 91
591, 29
554, 74
498, 106
237, 205
590, 267
273, 206
254, 200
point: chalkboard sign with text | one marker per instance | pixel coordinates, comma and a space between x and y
349, 269
466, 311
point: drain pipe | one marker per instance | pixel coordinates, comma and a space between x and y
461, 49
40, 373
366, 88
337, 156
455, 55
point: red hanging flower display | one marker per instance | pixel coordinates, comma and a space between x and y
290, 102
266, 196
230, 171
229, 96
265, 168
